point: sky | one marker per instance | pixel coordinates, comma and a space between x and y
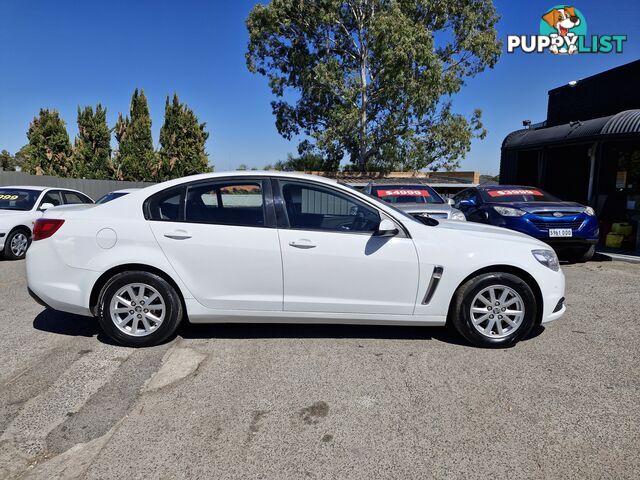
62, 54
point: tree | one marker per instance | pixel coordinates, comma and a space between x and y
92, 146
135, 158
7, 161
49, 148
373, 78
182, 142
307, 162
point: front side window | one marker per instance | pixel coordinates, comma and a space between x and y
238, 203
52, 197
311, 207
17, 199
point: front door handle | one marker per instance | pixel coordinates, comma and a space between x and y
178, 235
302, 243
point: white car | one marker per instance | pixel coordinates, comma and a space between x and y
107, 197
21, 206
291, 248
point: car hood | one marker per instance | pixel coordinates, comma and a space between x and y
423, 207
489, 232
77, 206
544, 206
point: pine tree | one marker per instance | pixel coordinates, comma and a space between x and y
49, 148
182, 142
92, 146
135, 158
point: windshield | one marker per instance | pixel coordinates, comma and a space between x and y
110, 196
514, 195
407, 194
377, 200
17, 199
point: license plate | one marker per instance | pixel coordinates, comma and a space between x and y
560, 232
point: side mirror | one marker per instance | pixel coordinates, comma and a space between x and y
46, 206
386, 228
450, 201
467, 203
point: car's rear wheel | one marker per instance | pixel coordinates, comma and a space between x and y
494, 309
16, 244
139, 309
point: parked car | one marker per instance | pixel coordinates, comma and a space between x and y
20, 206
569, 227
107, 197
285, 247
417, 200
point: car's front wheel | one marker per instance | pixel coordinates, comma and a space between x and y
16, 244
139, 309
494, 309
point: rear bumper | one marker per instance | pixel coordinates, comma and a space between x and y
54, 284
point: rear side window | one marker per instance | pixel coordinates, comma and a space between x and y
165, 206
73, 198
226, 203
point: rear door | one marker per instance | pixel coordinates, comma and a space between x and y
332, 260
220, 237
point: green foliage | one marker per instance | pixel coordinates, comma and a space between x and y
135, 159
307, 162
182, 143
7, 161
373, 78
92, 147
49, 148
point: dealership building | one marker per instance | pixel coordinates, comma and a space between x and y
588, 151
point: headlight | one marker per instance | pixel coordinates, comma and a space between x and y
548, 258
509, 212
590, 211
458, 216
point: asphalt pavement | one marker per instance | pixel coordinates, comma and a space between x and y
325, 402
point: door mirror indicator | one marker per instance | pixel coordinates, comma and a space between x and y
386, 229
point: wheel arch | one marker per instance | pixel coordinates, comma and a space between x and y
519, 272
26, 229
94, 298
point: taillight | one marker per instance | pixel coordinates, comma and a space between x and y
45, 227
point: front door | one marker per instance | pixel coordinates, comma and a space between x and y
220, 238
332, 260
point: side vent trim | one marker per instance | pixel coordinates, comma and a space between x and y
433, 284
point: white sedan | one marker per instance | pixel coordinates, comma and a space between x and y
21, 206
280, 247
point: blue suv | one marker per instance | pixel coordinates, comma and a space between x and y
570, 228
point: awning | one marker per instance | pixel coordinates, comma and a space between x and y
623, 123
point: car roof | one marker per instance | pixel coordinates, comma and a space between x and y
40, 188
401, 185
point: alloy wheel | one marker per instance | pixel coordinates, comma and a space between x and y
19, 244
497, 311
137, 309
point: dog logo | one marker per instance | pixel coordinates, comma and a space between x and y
563, 31
563, 24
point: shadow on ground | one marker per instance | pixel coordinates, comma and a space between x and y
79, 326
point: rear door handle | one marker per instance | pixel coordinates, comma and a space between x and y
178, 235
302, 243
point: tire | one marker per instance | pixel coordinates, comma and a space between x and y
513, 327
16, 244
584, 254
130, 292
